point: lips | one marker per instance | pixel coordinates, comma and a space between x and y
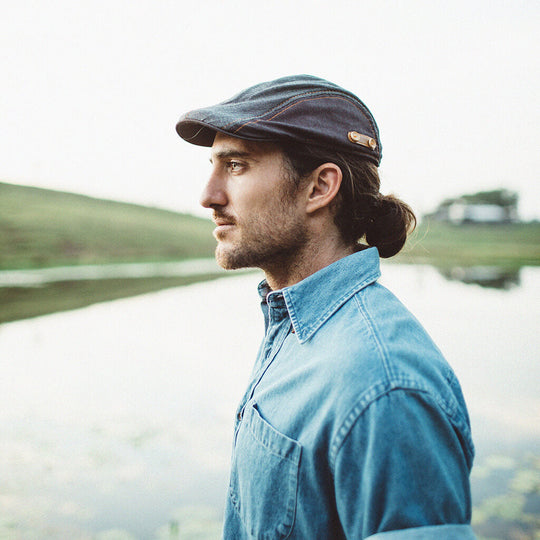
223, 224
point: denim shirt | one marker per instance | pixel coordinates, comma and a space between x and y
353, 424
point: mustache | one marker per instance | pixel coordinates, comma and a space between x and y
223, 217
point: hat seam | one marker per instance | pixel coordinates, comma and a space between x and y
276, 107
323, 94
254, 121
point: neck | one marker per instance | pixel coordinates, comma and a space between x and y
311, 258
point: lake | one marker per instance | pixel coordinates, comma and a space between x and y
116, 419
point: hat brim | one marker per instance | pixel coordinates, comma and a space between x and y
201, 134
196, 132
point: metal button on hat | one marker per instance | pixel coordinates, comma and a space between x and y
299, 108
358, 138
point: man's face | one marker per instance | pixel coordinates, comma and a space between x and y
259, 220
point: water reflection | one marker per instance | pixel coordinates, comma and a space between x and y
507, 495
493, 277
31, 293
26, 302
40, 276
116, 418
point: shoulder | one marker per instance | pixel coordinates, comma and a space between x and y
375, 335
380, 348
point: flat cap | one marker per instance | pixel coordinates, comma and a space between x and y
299, 108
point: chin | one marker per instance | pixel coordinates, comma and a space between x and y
232, 258
225, 259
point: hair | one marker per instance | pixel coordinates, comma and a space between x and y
361, 212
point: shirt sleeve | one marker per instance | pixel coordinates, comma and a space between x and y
402, 465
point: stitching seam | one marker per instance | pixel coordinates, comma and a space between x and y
360, 106
312, 93
362, 308
297, 103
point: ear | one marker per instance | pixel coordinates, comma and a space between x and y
323, 186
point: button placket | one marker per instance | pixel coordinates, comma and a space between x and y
275, 337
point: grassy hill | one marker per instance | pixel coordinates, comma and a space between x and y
41, 228
446, 245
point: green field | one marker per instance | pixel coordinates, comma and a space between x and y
444, 245
43, 228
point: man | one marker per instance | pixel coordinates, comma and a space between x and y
353, 425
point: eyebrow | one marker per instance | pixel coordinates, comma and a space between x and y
228, 153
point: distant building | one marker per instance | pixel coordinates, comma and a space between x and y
498, 206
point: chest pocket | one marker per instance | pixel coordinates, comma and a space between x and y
264, 477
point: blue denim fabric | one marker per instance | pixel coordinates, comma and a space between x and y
353, 424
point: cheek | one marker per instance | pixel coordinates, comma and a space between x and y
255, 199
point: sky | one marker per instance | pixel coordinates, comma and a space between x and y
92, 90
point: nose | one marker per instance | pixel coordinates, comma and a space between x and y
214, 193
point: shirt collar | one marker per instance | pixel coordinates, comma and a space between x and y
312, 301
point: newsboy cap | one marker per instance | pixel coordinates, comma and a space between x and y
299, 108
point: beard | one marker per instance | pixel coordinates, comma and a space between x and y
273, 239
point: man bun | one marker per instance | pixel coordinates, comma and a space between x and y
390, 222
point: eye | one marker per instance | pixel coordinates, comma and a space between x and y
234, 166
